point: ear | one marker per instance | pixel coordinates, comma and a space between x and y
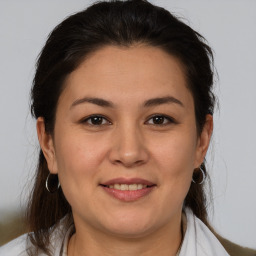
47, 145
204, 141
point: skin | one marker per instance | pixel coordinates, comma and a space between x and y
128, 143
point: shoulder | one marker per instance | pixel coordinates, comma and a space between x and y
207, 241
21, 245
211, 244
200, 239
16, 247
235, 249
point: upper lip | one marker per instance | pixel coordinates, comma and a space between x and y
128, 181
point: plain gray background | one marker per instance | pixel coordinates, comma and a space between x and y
229, 27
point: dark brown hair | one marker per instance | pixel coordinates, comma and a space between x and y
119, 23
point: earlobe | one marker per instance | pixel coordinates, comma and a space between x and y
47, 145
204, 140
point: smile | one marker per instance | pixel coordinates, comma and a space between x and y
128, 189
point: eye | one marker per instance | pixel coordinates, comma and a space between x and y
160, 120
96, 120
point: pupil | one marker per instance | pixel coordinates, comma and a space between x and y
96, 120
158, 119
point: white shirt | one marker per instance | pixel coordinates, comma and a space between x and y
198, 241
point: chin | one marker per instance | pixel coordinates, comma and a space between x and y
129, 226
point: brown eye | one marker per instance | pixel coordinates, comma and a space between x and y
160, 120
96, 120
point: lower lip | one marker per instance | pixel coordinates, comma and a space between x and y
128, 195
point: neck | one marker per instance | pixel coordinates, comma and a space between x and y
165, 241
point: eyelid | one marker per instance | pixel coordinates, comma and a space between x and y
170, 119
85, 119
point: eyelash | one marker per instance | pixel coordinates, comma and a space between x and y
95, 116
167, 120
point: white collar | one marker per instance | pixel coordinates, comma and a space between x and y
199, 240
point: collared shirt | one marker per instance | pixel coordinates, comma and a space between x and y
198, 241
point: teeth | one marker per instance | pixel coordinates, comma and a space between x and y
124, 187
133, 187
117, 186
127, 187
140, 186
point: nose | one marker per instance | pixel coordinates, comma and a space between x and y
128, 147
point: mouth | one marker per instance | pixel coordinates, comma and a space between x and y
128, 189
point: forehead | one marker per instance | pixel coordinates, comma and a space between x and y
128, 73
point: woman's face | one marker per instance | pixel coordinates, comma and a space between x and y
125, 142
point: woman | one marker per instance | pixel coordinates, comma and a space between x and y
123, 100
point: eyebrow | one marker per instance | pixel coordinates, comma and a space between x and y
97, 101
162, 100
148, 103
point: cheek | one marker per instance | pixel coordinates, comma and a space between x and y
76, 150
78, 161
174, 160
175, 154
